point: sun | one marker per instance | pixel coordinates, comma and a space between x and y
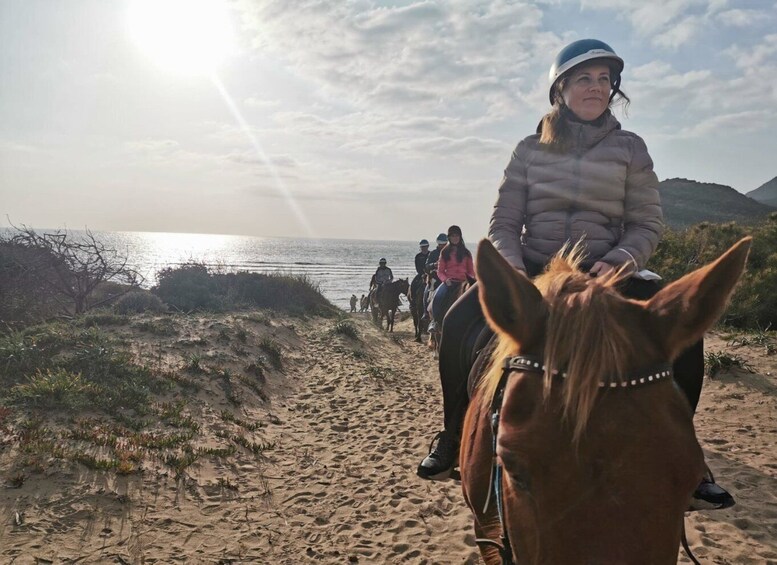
183, 36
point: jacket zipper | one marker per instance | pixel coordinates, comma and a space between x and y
573, 207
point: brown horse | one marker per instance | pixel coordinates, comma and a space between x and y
387, 303
595, 456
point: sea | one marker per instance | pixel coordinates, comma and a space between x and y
340, 267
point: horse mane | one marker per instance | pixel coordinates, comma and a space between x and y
584, 336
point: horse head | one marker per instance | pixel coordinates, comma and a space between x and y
597, 446
403, 285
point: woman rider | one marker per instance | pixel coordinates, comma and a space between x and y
579, 176
455, 266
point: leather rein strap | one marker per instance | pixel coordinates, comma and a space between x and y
527, 363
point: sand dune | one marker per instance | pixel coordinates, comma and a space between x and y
346, 422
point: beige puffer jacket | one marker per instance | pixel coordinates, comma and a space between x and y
604, 189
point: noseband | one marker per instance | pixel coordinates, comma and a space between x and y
531, 364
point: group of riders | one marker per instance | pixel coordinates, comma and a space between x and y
438, 272
580, 177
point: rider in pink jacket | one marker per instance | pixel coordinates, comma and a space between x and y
455, 270
454, 266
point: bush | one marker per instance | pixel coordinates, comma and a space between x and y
193, 286
754, 303
139, 301
26, 295
188, 287
346, 328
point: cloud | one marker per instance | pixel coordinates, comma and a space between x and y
740, 18
152, 146
7, 146
255, 102
280, 161
392, 56
740, 122
666, 24
757, 57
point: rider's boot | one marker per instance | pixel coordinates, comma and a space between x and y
442, 458
710, 496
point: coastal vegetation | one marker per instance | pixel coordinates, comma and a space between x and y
122, 386
114, 398
754, 304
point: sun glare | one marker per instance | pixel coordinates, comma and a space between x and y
183, 36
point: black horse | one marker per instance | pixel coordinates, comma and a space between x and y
385, 303
416, 299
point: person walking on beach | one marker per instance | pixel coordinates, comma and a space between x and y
353, 302
363, 303
580, 177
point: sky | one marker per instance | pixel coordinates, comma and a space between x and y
349, 118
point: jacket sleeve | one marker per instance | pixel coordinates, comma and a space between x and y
509, 213
442, 264
642, 218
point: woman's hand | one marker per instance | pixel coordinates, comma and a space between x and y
600, 269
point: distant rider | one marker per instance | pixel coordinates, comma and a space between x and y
382, 276
420, 266
433, 280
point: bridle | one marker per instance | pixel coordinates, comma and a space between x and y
531, 364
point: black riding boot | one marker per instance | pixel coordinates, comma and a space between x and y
454, 371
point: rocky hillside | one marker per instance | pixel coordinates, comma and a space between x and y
766, 193
687, 202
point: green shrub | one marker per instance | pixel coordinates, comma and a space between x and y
47, 358
346, 328
188, 287
273, 351
715, 361
754, 303
101, 319
158, 326
193, 286
59, 388
139, 301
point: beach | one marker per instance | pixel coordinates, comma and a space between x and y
327, 474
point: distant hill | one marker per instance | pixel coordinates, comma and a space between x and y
687, 202
766, 193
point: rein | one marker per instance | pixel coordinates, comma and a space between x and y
532, 364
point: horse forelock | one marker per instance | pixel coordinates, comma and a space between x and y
584, 336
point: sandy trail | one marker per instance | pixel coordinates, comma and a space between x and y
348, 421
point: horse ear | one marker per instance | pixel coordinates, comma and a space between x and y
685, 309
511, 303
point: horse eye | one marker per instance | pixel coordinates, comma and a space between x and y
520, 478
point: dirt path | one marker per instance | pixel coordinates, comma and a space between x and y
330, 475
